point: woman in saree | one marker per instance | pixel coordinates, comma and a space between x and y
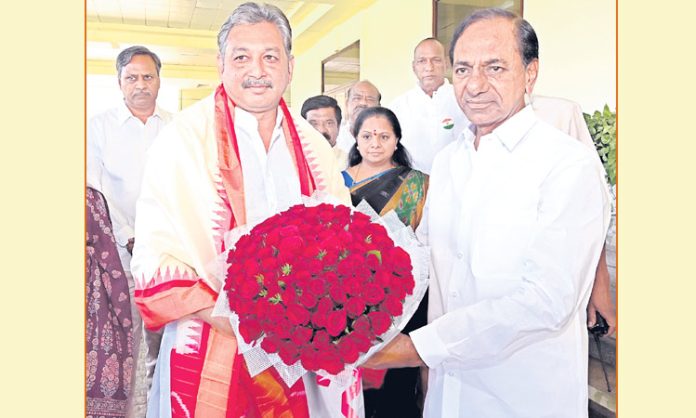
109, 348
380, 168
380, 173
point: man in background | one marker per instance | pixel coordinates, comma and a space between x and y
429, 115
360, 95
117, 142
324, 114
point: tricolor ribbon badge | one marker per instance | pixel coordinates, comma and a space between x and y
447, 123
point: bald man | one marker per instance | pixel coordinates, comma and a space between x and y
361, 95
429, 115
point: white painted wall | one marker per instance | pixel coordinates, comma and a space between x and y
388, 30
577, 50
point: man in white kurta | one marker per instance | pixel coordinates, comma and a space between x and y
118, 139
231, 160
117, 144
515, 219
359, 96
429, 115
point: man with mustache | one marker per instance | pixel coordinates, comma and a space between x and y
232, 159
117, 142
324, 114
515, 220
360, 95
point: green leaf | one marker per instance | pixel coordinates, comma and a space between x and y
377, 254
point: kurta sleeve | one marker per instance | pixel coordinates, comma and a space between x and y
177, 215
557, 273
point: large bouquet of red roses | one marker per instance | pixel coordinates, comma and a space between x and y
318, 285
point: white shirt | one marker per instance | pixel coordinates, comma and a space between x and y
271, 183
515, 231
428, 124
117, 143
564, 115
345, 139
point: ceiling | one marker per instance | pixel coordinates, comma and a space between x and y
183, 31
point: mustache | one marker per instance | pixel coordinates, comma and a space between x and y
251, 82
326, 135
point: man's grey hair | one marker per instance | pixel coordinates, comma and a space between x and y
251, 13
527, 42
125, 57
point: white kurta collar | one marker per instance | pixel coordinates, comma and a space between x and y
123, 113
510, 133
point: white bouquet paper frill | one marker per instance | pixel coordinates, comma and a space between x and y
258, 360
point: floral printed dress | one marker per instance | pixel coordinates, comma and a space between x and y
108, 327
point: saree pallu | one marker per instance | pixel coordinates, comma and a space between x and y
396, 393
108, 317
401, 189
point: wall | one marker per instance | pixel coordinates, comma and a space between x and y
577, 50
387, 31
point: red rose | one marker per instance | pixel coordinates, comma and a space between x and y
383, 277
380, 322
361, 342
250, 329
353, 285
330, 278
316, 287
393, 305
270, 344
289, 353
400, 259
321, 340
297, 314
331, 362
310, 251
301, 335
308, 357
244, 306
347, 350
292, 245
355, 306
281, 328
362, 325
289, 295
248, 288
373, 260
288, 231
337, 293
308, 300
373, 293
336, 322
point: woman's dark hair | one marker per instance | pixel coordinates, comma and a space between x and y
400, 156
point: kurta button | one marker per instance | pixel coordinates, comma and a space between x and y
460, 255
